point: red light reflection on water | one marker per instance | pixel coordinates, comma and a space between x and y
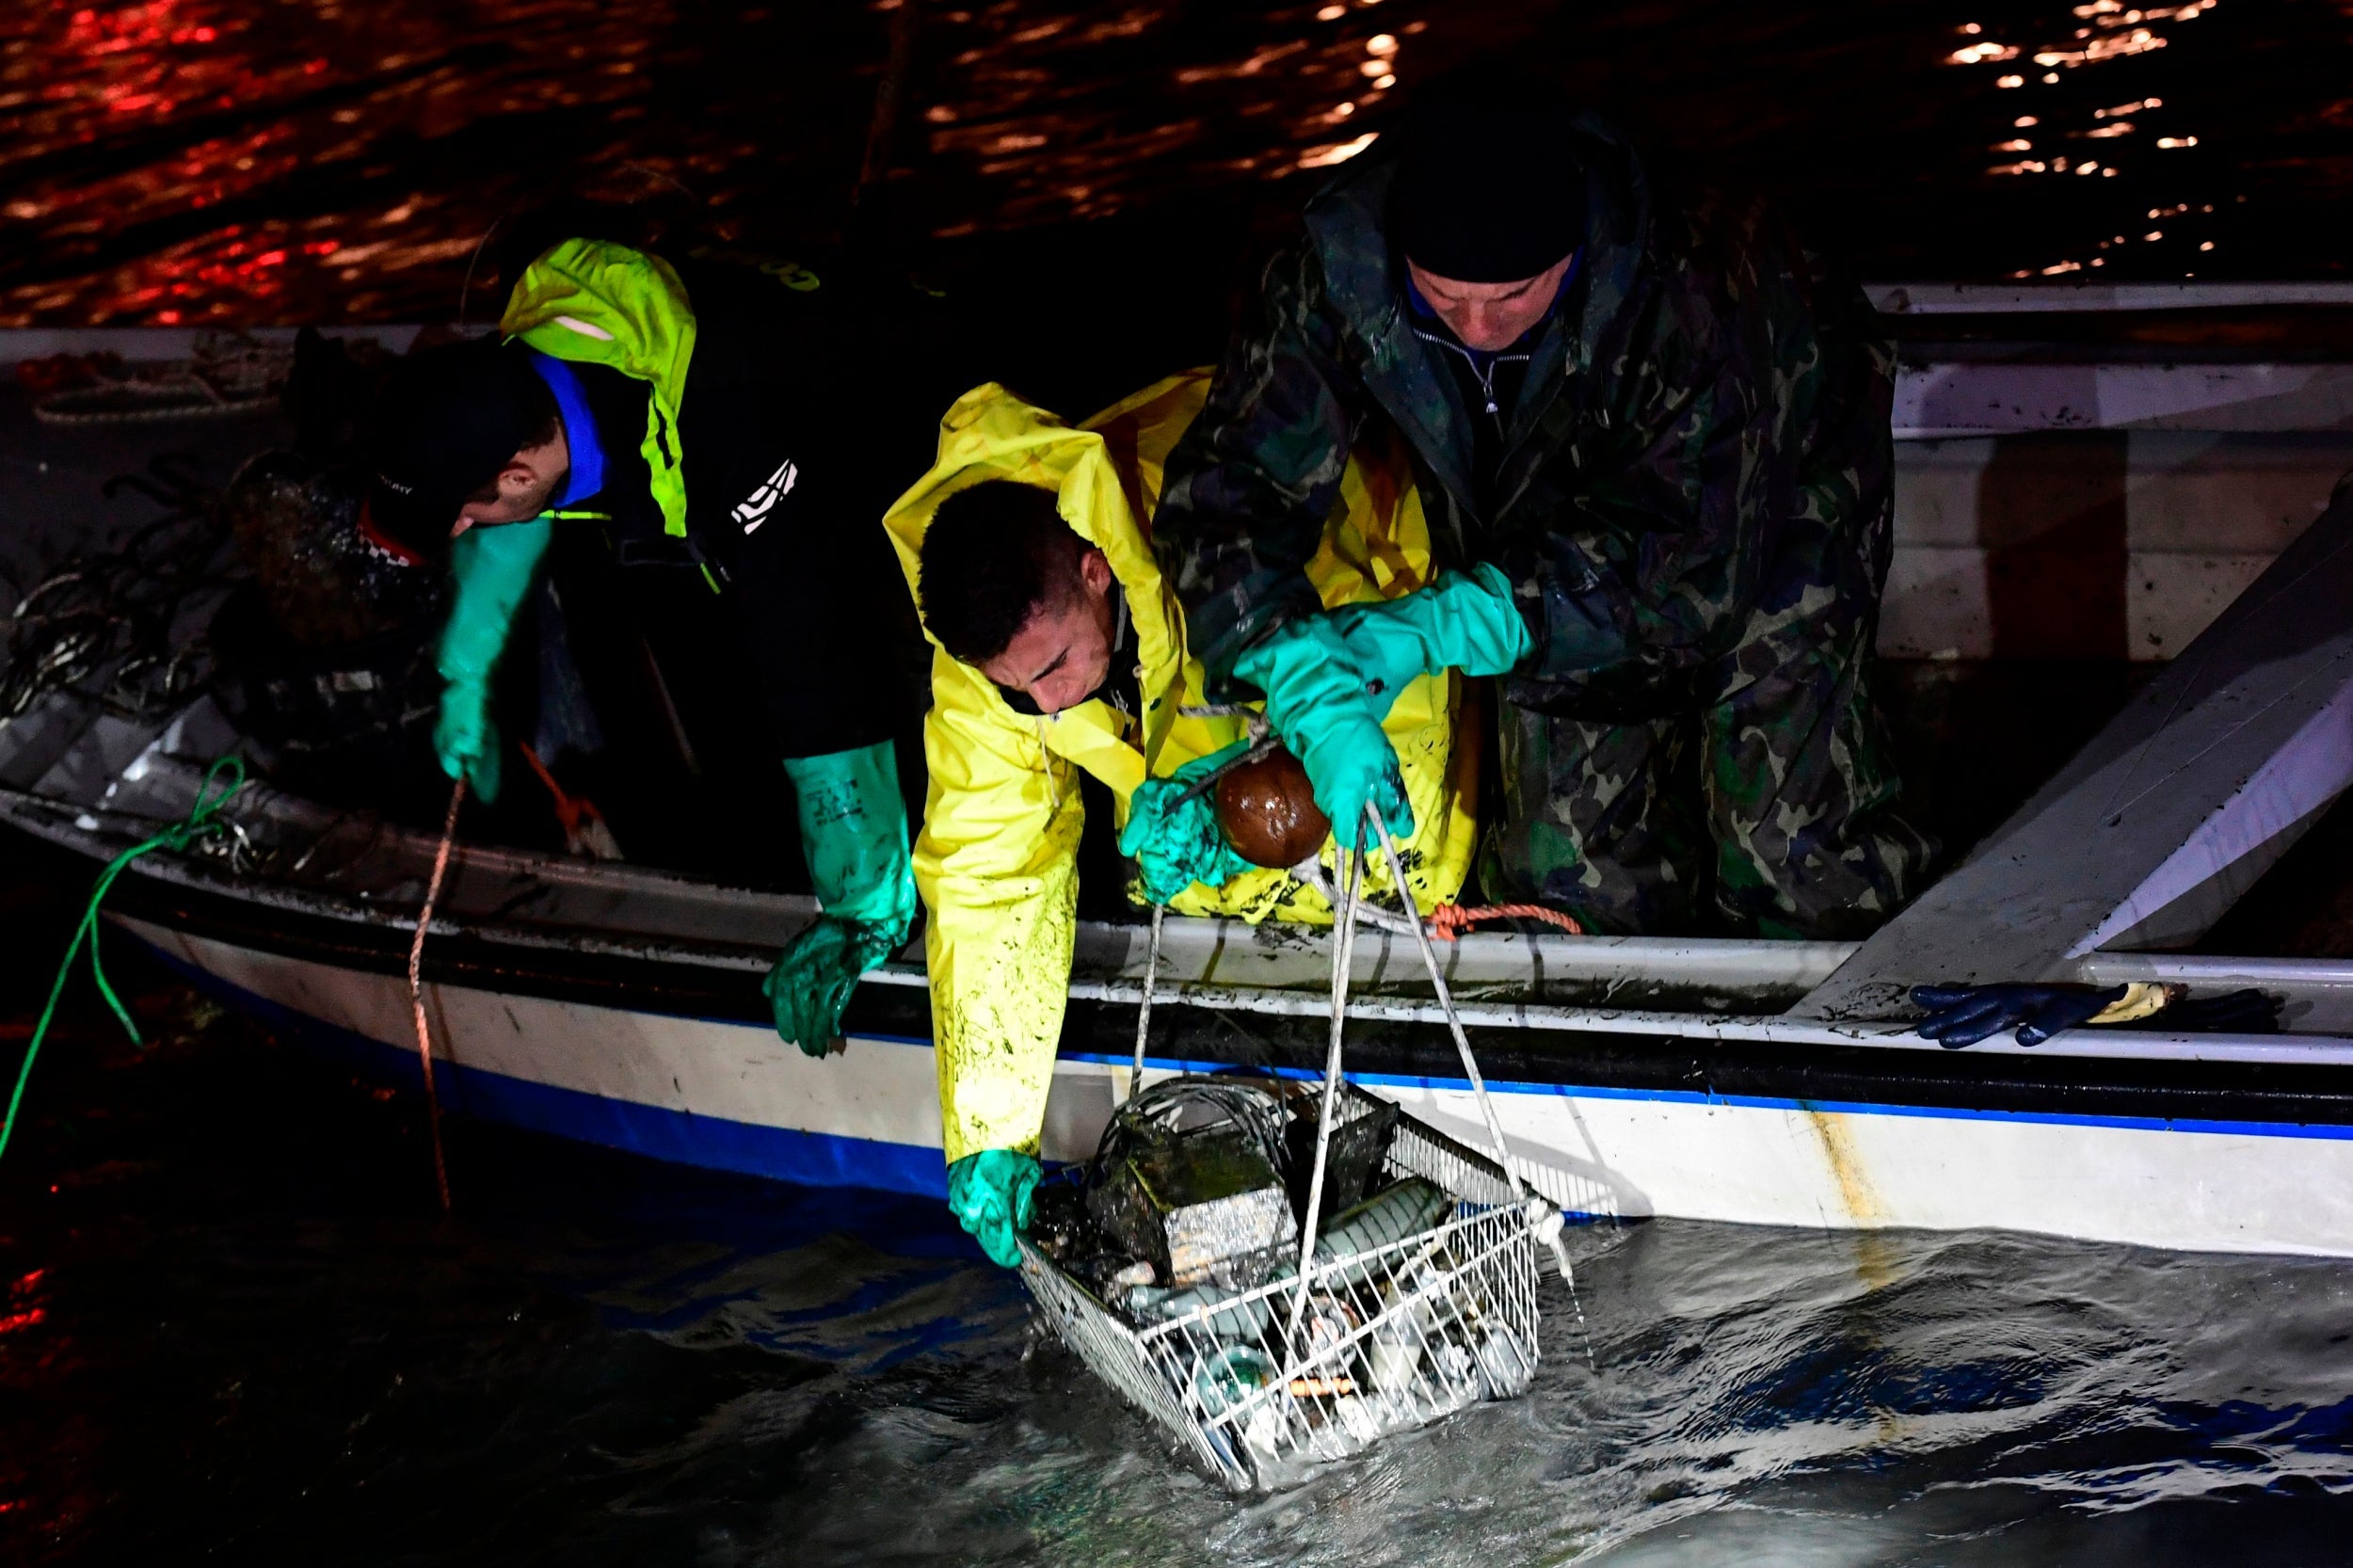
356, 155
25, 1312
126, 125
277, 160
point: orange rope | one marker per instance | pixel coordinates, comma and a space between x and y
1447, 921
416, 988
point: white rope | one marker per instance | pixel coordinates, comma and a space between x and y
1143, 1012
416, 988
1446, 1003
1547, 1226
1343, 956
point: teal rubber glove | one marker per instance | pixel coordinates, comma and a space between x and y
989, 1194
1175, 843
854, 833
1466, 621
466, 737
811, 981
1316, 698
492, 567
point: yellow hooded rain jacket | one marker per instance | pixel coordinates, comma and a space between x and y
996, 861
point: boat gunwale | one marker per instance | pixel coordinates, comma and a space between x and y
2178, 1094
549, 962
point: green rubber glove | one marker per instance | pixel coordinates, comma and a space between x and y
492, 566
466, 737
989, 1195
854, 833
1316, 698
1175, 843
1463, 621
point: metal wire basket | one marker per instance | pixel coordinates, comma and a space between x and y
1262, 1384
1377, 1327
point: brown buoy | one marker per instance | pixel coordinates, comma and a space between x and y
1269, 811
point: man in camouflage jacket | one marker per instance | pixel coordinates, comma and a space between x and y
1688, 491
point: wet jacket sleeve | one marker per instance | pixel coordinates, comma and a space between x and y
1652, 556
1739, 470
998, 867
1249, 487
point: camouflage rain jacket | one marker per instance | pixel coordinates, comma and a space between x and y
1699, 449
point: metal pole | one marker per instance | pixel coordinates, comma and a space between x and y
1343, 957
1445, 1002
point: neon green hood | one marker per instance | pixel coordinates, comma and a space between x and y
594, 302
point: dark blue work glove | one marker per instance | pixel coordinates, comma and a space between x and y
1964, 1014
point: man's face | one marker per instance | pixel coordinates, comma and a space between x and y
1063, 653
523, 489
1488, 316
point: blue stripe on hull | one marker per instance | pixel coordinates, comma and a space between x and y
829, 1160
682, 1138
2333, 1130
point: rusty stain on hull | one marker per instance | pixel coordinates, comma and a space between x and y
1855, 1192
1874, 1263
1865, 1212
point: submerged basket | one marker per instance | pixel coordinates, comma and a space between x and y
1392, 1337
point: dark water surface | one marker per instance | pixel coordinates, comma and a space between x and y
232, 1328
263, 161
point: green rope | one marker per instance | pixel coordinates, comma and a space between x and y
201, 823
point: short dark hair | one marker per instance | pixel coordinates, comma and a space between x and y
994, 555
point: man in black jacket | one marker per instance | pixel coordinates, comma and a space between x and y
731, 434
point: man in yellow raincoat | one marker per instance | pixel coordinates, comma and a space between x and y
1093, 676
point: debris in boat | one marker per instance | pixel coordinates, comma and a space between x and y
231, 373
103, 622
325, 658
326, 584
55, 373
585, 831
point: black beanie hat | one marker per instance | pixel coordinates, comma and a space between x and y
1489, 189
445, 422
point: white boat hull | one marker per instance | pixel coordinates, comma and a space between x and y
728, 1094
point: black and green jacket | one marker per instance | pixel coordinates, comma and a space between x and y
1699, 447
756, 423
